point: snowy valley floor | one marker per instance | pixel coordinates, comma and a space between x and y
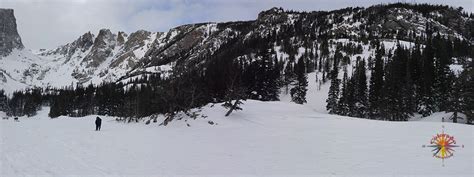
266, 139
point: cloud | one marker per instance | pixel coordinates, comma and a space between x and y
50, 23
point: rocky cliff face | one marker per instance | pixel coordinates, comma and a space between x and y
9, 38
102, 48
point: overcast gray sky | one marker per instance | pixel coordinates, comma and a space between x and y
50, 23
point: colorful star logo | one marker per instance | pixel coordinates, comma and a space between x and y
443, 145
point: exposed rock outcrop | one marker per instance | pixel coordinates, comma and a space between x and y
9, 37
102, 48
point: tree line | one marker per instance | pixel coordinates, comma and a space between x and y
403, 82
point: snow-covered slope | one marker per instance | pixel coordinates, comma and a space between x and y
19, 70
266, 139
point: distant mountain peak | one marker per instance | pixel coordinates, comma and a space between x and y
9, 37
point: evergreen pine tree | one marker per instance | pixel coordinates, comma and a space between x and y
361, 103
343, 106
443, 75
416, 74
462, 98
395, 87
376, 86
350, 92
333, 95
288, 76
298, 92
3, 101
266, 78
427, 102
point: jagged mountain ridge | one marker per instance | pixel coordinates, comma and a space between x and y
110, 57
89, 59
102, 57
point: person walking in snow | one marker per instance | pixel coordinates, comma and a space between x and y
98, 123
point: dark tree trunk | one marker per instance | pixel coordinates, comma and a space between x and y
233, 107
455, 117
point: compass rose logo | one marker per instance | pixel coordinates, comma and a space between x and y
443, 145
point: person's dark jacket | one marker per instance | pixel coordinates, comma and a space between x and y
98, 121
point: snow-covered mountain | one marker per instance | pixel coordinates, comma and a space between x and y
96, 59
89, 59
111, 57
